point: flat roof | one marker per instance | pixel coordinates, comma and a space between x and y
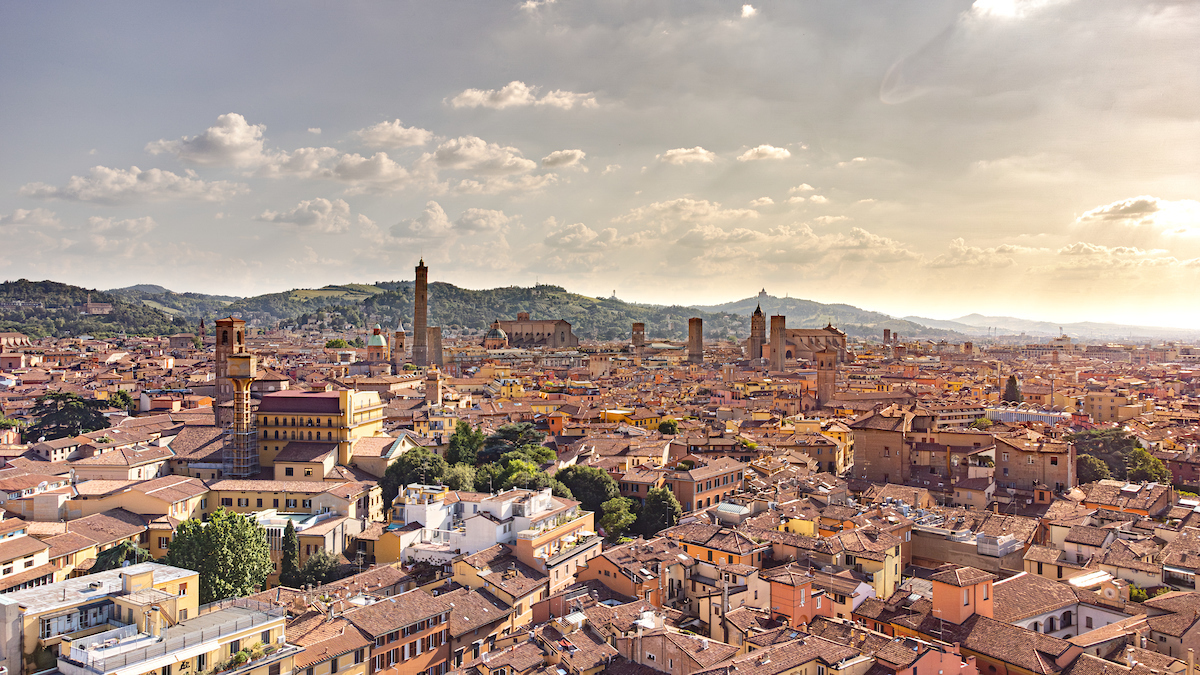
77, 591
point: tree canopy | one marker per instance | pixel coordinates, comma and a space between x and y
1121, 452
617, 517
229, 551
591, 486
661, 510
465, 444
1012, 391
668, 427
1146, 467
289, 566
1090, 469
121, 399
63, 415
510, 437
115, 557
337, 343
415, 466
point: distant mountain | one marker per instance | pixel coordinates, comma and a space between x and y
50, 308
186, 305
978, 324
853, 320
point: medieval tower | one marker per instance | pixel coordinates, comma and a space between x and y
696, 340
826, 361
420, 348
758, 334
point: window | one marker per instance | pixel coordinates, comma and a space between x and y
289, 471
360, 655
164, 542
273, 669
226, 501
275, 503
1029, 459
289, 503
1053, 461
243, 501
308, 471
1006, 471
985, 591
307, 504
183, 590
201, 662
1088, 622
966, 597
258, 503
1004, 457
266, 637
204, 503
333, 667
183, 614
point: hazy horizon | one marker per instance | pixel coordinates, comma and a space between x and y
1024, 158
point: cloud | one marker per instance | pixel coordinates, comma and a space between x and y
705, 236
32, 217
748, 11
498, 185
301, 162
764, 152
475, 155
797, 200
687, 156
685, 210
232, 141
314, 130
762, 201
517, 94
129, 227
318, 215
107, 185
962, 255
1084, 248
803, 187
564, 158
433, 222
818, 199
1180, 217
611, 168
579, 237
393, 135
375, 173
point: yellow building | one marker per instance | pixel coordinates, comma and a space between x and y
338, 417
1118, 406
84, 606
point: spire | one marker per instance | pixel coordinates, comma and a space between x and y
758, 310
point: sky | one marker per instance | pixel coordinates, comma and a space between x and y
1034, 158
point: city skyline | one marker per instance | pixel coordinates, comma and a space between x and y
1031, 159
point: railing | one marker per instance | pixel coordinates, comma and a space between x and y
100, 664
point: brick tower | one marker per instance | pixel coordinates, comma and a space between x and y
420, 348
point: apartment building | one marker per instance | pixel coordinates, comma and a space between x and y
410, 632
701, 482
337, 417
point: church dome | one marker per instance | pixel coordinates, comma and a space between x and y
496, 333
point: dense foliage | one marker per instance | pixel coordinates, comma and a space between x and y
591, 486
616, 517
1012, 391
229, 551
1120, 453
64, 415
415, 466
465, 443
661, 510
117, 556
289, 566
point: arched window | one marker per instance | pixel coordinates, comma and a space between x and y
1066, 619
310, 438
276, 434
329, 435
1036, 627
329, 422
1051, 625
224, 337
276, 421
308, 423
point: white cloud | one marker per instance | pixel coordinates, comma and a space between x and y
33, 217
475, 155
797, 200
762, 201
564, 158
687, 156
231, 141
962, 255
579, 237
117, 186
517, 94
803, 187
764, 152
129, 227
314, 130
685, 210
319, 215
375, 173
433, 222
611, 168
818, 199
1180, 217
1084, 248
301, 162
393, 135
748, 11
499, 184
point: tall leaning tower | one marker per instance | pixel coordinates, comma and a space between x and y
758, 333
420, 347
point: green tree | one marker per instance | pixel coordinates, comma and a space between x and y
337, 343
229, 551
668, 427
358, 342
116, 557
289, 567
617, 517
1146, 467
63, 415
1137, 593
415, 466
591, 486
1090, 469
464, 444
510, 437
121, 399
559, 490
489, 478
981, 423
460, 477
6, 423
320, 568
1012, 391
661, 510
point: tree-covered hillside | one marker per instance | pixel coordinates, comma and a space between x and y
49, 308
854, 321
189, 305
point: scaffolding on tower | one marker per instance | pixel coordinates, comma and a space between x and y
240, 451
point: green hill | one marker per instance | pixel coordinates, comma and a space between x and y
49, 308
187, 305
854, 321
